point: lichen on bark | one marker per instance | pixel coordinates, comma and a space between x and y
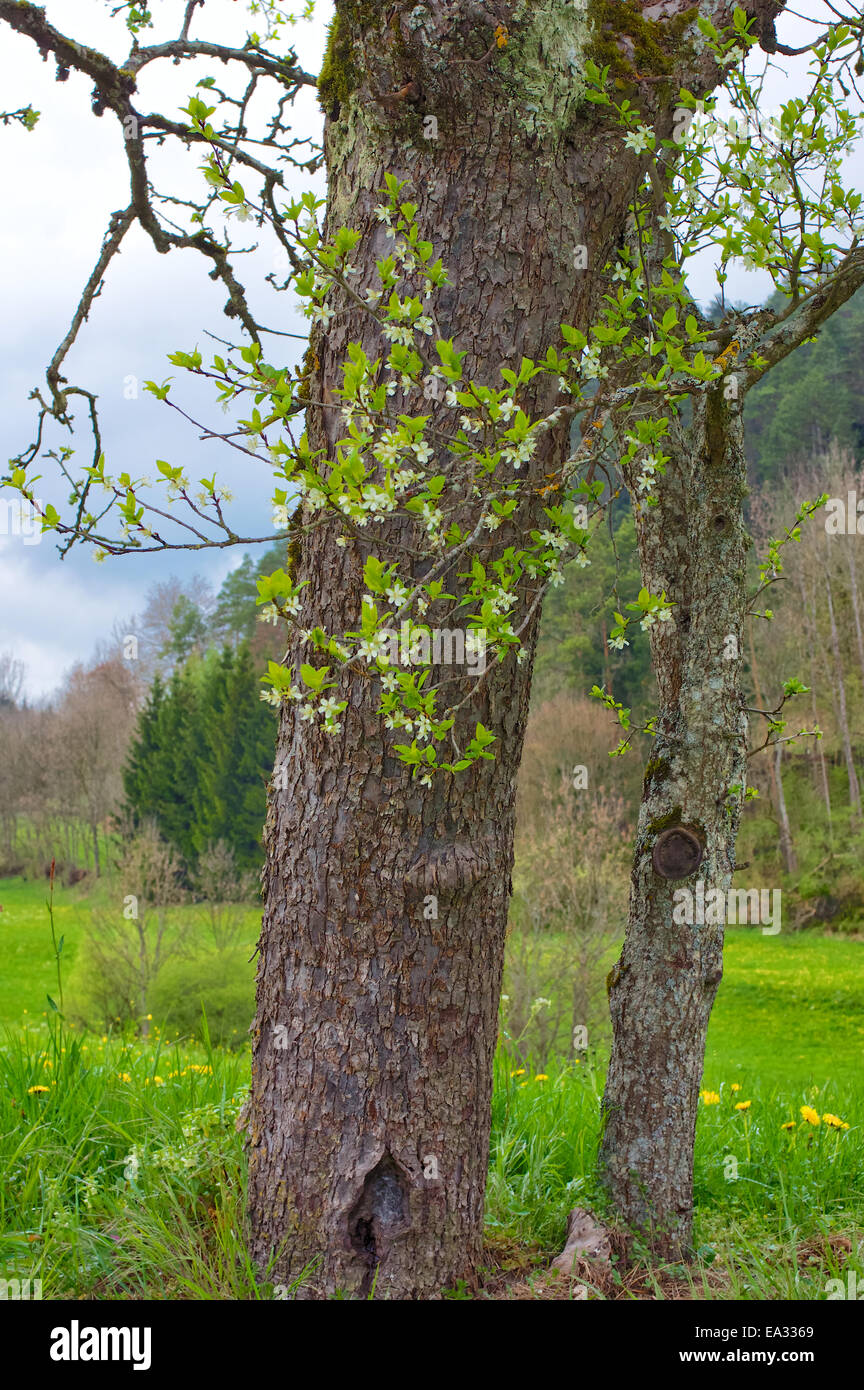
545, 61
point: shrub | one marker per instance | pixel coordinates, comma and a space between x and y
220, 984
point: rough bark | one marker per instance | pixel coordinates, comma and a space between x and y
389, 1015
693, 545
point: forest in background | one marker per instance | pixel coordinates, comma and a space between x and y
160, 753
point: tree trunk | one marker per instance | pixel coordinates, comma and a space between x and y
812, 635
369, 1112
383, 938
693, 545
853, 591
787, 848
842, 718
776, 790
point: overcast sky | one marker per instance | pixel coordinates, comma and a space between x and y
60, 184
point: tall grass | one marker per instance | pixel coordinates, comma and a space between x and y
122, 1175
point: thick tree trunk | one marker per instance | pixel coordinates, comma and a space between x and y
369, 1113
383, 939
661, 992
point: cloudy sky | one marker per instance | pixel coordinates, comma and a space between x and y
60, 185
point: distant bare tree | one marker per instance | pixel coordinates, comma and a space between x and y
12, 676
90, 733
127, 944
226, 892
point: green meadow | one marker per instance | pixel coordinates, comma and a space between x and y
122, 1170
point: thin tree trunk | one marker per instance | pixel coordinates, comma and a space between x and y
607, 671
854, 791
853, 589
787, 848
693, 545
812, 644
776, 791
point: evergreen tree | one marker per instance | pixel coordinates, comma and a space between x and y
234, 617
143, 753
201, 757
573, 651
814, 398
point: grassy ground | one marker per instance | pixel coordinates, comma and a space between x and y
122, 1174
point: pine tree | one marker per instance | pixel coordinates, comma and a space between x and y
143, 751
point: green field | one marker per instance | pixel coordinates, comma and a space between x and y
121, 1171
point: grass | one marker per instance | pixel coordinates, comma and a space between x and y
122, 1173
790, 1010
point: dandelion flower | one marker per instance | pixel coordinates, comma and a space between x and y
743, 1105
810, 1115
710, 1097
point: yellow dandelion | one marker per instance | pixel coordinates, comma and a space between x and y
790, 1124
710, 1097
810, 1115
124, 1076
541, 1076
743, 1105
519, 1072
834, 1122
37, 1090
736, 1086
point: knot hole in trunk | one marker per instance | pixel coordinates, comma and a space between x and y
378, 1216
